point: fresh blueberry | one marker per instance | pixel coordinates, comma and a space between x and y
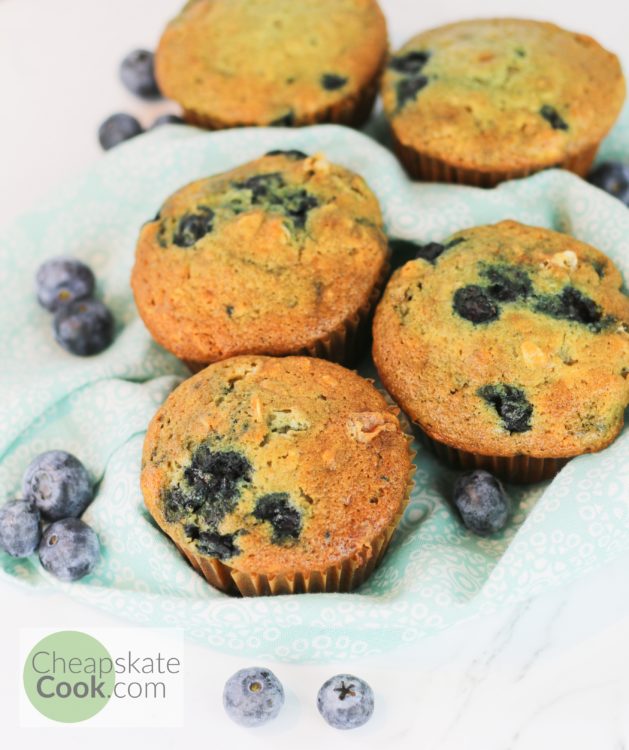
85, 327
281, 514
482, 502
19, 528
61, 281
345, 701
118, 128
511, 405
58, 485
553, 117
138, 74
167, 120
613, 178
253, 696
473, 303
69, 549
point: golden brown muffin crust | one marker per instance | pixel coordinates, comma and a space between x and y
318, 440
294, 249
502, 95
261, 62
543, 371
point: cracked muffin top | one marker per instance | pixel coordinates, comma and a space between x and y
506, 340
269, 258
270, 62
502, 94
276, 465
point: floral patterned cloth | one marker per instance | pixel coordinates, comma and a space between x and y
436, 573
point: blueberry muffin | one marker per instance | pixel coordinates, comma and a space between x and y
277, 475
508, 346
479, 102
273, 62
284, 255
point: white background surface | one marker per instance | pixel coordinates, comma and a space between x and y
551, 673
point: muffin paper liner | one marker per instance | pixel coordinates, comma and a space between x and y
342, 577
421, 166
343, 344
515, 469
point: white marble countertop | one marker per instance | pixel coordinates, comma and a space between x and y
550, 673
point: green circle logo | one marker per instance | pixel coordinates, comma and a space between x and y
69, 676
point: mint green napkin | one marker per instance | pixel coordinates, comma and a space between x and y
436, 573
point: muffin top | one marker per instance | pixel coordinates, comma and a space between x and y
275, 465
506, 340
268, 258
269, 62
502, 94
